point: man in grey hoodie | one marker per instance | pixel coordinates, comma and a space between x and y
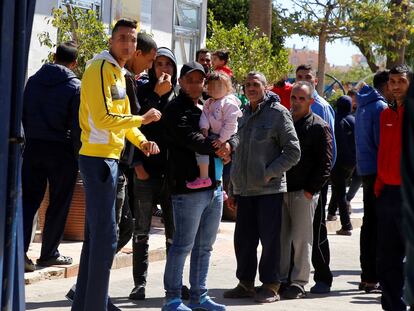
268, 148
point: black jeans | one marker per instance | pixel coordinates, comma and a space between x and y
43, 162
368, 239
123, 213
146, 194
339, 176
391, 248
258, 219
320, 250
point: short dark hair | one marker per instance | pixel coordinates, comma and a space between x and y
305, 67
66, 52
145, 43
124, 22
222, 55
201, 51
401, 69
381, 79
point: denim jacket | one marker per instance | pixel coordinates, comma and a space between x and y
268, 148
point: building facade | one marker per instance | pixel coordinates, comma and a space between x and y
177, 24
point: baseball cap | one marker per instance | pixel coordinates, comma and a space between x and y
190, 67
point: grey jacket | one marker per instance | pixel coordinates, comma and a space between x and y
268, 148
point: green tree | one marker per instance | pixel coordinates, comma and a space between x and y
248, 51
78, 25
233, 12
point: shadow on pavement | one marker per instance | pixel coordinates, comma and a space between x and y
369, 299
337, 273
125, 303
48, 304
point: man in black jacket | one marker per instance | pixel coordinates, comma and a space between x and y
51, 126
345, 161
197, 213
304, 182
150, 186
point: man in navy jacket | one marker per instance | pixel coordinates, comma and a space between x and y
51, 127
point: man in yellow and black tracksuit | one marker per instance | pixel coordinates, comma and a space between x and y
105, 120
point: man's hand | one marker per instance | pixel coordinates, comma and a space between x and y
163, 85
231, 203
307, 195
141, 173
151, 115
226, 160
217, 143
204, 132
149, 147
224, 150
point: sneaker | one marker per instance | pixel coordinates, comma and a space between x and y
29, 266
240, 291
175, 305
320, 288
199, 183
157, 212
344, 232
331, 217
59, 261
294, 291
70, 295
267, 293
373, 288
137, 293
207, 304
283, 287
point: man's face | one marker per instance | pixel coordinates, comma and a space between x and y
217, 62
300, 101
141, 61
254, 89
123, 43
398, 85
306, 75
192, 84
163, 64
205, 60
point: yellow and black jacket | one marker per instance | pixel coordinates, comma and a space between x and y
104, 115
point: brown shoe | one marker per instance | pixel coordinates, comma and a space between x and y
29, 266
267, 293
242, 290
331, 217
344, 232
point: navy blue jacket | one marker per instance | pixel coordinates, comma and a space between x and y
345, 133
51, 105
367, 128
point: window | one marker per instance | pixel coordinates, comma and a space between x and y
95, 5
186, 32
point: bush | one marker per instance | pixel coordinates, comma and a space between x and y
81, 26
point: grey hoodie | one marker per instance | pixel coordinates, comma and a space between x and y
268, 148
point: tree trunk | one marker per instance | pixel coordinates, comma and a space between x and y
368, 54
321, 62
399, 10
260, 16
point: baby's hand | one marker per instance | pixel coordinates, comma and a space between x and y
217, 143
204, 132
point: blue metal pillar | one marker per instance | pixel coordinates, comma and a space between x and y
16, 18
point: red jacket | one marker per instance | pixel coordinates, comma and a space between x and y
284, 94
225, 69
389, 152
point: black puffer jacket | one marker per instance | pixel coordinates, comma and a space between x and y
345, 133
314, 167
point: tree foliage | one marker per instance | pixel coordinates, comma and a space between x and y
233, 12
78, 25
248, 51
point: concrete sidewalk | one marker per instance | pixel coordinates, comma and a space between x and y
156, 248
345, 295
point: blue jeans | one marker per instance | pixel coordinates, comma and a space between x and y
196, 218
100, 177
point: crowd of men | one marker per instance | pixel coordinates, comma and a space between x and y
134, 137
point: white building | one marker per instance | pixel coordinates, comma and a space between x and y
177, 24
